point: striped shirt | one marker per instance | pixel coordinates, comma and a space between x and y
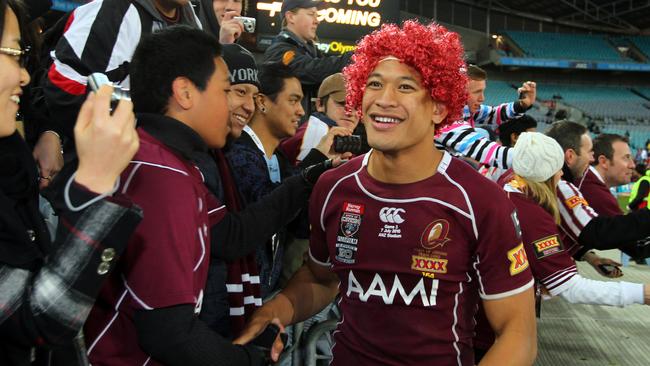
460, 137
100, 36
575, 212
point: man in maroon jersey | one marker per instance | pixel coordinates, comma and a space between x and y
410, 237
613, 165
581, 227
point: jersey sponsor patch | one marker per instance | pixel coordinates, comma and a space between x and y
350, 223
353, 208
574, 201
547, 246
347, 240
391, 215
428, 265
435, 234
518, 259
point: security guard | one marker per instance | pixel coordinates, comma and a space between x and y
294, 46
640, 192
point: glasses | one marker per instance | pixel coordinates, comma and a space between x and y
21, 55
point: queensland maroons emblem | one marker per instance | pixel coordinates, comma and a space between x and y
435, 234
350, 223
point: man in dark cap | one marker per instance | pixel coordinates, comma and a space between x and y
294, 46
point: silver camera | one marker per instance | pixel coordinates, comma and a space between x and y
248, 23
97, 80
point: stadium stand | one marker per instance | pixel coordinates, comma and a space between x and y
565, 46
599, 102
643, 44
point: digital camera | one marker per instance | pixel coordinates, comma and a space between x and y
248, 23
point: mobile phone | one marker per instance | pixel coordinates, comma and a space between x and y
264, 341
607, 268
248, 23
350, 143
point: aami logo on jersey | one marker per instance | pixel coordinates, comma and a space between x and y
381, 290
547, 246
435, 234
391, 215
429, 265
574, 201
518, 259
353, 208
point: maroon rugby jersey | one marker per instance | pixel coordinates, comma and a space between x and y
551, 266
593, 188
413, 260
166, 261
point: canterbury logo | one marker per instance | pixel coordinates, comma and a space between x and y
391, 215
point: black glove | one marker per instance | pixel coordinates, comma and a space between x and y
311, 173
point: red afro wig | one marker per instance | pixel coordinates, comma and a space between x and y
432, 50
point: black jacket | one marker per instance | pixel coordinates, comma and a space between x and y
309, 64
48, 288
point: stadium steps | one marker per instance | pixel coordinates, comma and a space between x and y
593, 335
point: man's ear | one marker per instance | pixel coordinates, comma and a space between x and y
261, 102
602, 160
439, 113
319, 105
570, 156
288, 16
183, 92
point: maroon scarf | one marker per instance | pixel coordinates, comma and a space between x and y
243, 278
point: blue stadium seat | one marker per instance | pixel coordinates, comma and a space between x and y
565, 46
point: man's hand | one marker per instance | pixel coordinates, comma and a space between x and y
256, 326
105, 143
528, 91
48, 156
231, 28
597, 262
326, 144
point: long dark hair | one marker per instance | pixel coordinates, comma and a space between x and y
18, 9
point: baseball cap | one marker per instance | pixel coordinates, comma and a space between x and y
334, 87
241, 64
293, 4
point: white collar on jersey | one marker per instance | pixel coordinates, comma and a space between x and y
442, 167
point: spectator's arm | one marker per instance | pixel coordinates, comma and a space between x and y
609, 232
310, 70
50, 305
467, 142
176, 336
582, 290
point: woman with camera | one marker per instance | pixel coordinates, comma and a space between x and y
47, 287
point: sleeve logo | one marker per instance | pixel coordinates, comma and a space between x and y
518, 259
574, 201
547, 246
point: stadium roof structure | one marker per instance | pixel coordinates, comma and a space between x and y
618, 16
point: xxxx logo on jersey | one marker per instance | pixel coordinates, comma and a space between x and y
547, 246
429, 265
518, 259
574, 201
